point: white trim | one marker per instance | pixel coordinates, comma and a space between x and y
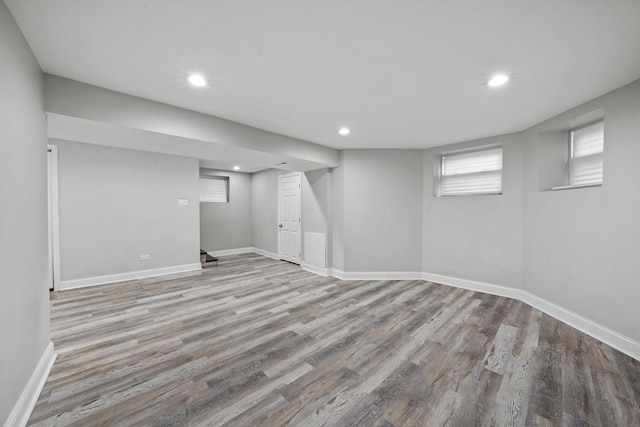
54, 214
600, 332
236, 251
314, 250
569, 187
21, 412
132, 275
290, 174
322, 271
610, 337
247, 250
376, 275
338, 274
472, 285
142, 274
265, 253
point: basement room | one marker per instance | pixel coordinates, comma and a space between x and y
336, 213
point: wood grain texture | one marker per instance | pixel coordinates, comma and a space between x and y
260, 342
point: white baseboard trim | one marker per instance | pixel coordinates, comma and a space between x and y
265, 253
21, 412
472, 285
322, 271
132, 275
376, 275
610, 337
600, 332
226, 252
247, 250
338, 274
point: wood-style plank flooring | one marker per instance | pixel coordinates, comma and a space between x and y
257, 342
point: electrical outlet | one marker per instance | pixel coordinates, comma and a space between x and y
144, 257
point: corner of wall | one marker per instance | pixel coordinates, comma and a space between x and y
21, 412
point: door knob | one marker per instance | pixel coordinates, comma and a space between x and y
280, 225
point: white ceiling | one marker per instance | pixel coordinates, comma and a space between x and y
401, 74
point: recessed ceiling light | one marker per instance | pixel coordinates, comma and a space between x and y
197, 80
344, 131
236, 168
498, 80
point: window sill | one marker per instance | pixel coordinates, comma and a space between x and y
470, 194
570, 187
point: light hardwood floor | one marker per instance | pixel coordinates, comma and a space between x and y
260, 342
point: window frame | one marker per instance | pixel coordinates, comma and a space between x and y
570, 168
441, 167
215, 178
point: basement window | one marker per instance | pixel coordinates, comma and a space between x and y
586, 145
586, 156
476, 171
214, 189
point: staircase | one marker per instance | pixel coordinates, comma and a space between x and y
207, 260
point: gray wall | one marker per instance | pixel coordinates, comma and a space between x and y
24, 269
581, 246
475, 237
117, 204
79, 100
316, 208
337, 216
227, 225
315, 200
264, 210
383, 210
576, 248
316, 191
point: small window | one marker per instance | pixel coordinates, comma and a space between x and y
586, 147
214, 189
471, 172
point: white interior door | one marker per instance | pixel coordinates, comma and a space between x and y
289, 217
52, 193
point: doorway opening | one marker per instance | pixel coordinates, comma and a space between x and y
53, 216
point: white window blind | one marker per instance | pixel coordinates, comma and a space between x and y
214, 189
472, 172
586, 159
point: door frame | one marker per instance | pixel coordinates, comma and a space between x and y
53, 215
289, 175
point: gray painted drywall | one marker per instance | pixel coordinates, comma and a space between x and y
24, 268
383, 210
264, 210
337, 216
315, 201
581, 246
79, 100
475, 237
576, 248
264, 207
227, 225
117, 204
316, 207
